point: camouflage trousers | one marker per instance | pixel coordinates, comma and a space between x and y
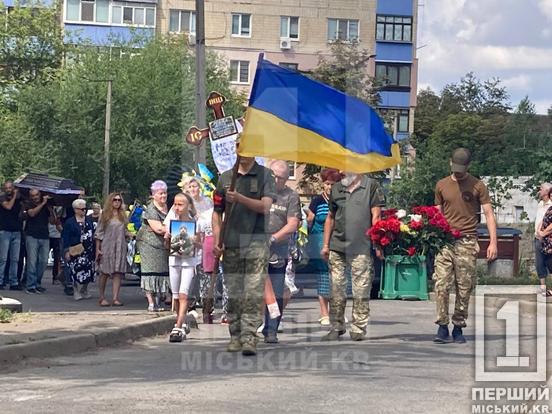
362, 273
455, 265
245, 271
208, 287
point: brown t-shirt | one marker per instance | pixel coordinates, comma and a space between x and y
461, 202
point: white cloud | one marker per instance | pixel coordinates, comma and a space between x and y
518, 83
542, 105
546, 7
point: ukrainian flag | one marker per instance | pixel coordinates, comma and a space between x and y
294, 118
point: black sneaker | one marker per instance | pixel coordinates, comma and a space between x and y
16, 287
443, 336
333, 335
458, 336
32, 291
41, 289
68, 291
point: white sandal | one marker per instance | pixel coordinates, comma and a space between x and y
177, 335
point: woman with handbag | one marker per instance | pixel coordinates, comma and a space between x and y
111, 247
79, 249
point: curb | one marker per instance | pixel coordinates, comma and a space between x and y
85, 342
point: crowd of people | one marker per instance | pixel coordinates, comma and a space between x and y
244, 238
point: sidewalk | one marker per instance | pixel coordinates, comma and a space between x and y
53, 322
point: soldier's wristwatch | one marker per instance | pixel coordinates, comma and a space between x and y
272, 239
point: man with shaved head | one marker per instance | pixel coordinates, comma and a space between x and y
283, 222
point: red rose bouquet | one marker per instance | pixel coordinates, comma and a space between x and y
424, 231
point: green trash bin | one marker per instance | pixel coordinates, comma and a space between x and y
404, 277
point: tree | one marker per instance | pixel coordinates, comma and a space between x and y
427, 116
31, 44
476, 96
153, 105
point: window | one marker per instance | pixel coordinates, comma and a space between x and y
289, 27
87, 11
393, 28
72, 12
150, 16
345, 30
182, 21
127, 15
97, 11
402, 120
292, 167
102, 11
393, 75
239, 71
116, 15
241, 25
290, 66
139, 16
399, 116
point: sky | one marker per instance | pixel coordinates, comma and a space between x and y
508, 39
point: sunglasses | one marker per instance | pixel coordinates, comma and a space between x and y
81, 209
117, 199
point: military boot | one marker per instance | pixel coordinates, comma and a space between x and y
249, 348
333, 335
234, 345
442, 336
457, 335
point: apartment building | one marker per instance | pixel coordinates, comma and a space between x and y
292, 33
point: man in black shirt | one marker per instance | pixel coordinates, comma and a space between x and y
10, 234
37, 239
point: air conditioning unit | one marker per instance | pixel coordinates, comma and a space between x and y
191, 39
285, 44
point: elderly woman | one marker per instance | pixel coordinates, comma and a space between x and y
79, 249
151, 245
111, 247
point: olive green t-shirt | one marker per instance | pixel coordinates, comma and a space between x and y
353, 215
243, 224
461, 202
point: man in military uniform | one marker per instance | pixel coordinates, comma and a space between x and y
244, 247
460, 197
354, 206
285, 215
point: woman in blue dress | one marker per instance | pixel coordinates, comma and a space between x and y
316, 216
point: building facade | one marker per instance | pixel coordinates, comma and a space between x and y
292, 33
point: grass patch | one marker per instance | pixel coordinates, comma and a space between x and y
6, 316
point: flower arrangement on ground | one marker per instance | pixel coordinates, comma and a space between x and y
424, 231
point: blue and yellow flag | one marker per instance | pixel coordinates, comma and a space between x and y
294, 118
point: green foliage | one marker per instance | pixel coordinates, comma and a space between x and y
57, 123
6, 316
474, 114
31, 43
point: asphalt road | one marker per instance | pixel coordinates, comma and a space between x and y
397, 370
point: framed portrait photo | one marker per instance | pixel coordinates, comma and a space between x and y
182, 238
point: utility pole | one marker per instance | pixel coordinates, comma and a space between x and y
200, 112
107, 165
